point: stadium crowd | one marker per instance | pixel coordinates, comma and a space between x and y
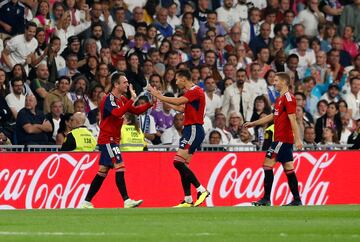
57, 58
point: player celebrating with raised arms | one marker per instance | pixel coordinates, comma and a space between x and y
281, 150
112, 107
193, 133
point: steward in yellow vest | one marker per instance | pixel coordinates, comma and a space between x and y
80, 138
132, 138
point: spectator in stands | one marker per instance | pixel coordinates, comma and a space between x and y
262, 59
54, 117
309, 138
311, 17
261, 105
31, 125
329, 139
195, 55
352, 98
79, 138
234, 124
55, 61
20, 49
61, 92
301, 101
321, 109
71, 66
65, 29
210, 24
227, 15
291, 66
4, 84
349, 45
330, 120
16, 99
164, 116
161, 23
302, 120
79, 89
172, 135
349, 17
306, 55
332, 95
213, 100
257, 83
238, 97
262, 40
345, 132
242, 59
244, 142
215, 139
147, 123
270, 81
73, 47
64, 128
251, 27
320, 67
12, 19
134, 74
132, 138
41, 86
220, 126
338, 44
354, 138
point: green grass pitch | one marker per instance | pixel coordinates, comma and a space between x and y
308, 223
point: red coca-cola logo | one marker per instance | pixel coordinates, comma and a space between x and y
50, 185
230, 182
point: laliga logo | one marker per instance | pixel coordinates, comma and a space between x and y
38, 192
247, 185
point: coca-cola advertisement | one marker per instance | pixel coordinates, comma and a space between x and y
61, 180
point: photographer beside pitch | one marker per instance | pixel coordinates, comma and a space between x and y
286, 132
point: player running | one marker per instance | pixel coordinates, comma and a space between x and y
281, 150
112, 108
193, 134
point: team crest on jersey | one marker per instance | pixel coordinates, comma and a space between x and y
276, 112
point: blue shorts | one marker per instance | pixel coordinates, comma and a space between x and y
192, 138
110, 154
282, 152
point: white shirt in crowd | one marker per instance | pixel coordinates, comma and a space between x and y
242, 12
211, 105
353, 103
19, 49
304, 61
228, 16
170, 136
310, 21
15, 103
258, 87
70, 31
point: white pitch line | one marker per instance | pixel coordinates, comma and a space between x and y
11, 233
16, 233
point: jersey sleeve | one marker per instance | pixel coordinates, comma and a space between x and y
111, 107
290, 103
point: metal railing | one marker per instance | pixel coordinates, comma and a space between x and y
204, 147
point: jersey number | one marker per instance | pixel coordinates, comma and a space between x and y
116, 150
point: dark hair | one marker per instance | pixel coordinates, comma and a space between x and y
322, 101
342, 101
30, 24
267, 74
115, 77
62, 125
303, 96
353, 79
133, 121
184, 73
16, 79
267, 107
291, 56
